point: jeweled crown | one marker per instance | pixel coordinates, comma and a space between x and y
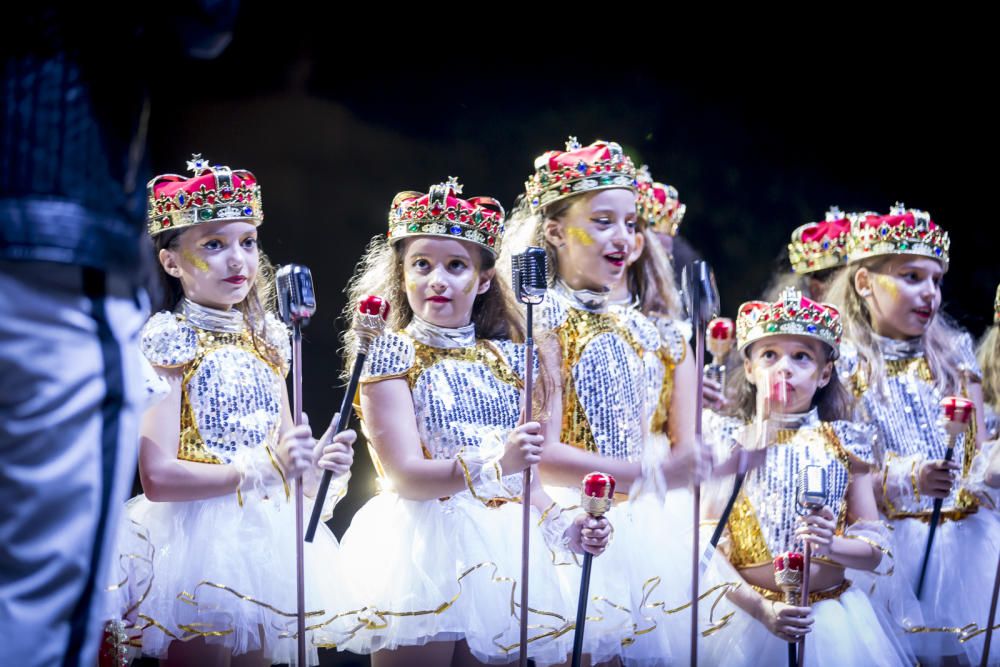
791, 314
904, 231
441, 212
559, 174
658, 204
820, 245
215, 193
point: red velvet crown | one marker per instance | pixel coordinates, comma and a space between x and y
658, 204
559, 174
791, 314
903, 232
214, 194
441, 212
820, 245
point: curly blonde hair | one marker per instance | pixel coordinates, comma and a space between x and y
988, 355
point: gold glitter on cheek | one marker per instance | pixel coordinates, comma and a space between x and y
580, 236
194, 260
888, 285
472, 284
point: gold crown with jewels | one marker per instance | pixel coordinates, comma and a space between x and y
441, 212
793, 314
560, 174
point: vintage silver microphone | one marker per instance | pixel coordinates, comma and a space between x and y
811, 496
296, 305
529, 277
701, 298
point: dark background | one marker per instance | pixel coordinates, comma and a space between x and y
757, 142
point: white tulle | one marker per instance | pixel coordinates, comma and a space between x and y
446, 570
210, 566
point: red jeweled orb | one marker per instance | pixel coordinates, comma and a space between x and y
374, 305
721, 328
599, 485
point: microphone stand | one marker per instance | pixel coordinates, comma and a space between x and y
300, 580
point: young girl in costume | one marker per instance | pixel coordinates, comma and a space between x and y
625, 386
437, 551
788, 349
209, 552
904, 356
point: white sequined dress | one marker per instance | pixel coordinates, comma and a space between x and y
617, 368
223, 568
445, 569
905, 408
847, 630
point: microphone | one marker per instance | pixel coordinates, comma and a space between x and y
296, 305
296, 297
812, 489
529, 270
529, 277
811, 495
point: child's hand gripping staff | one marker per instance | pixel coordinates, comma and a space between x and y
788, 621
368, 325
956, 416
811, 496
596, 498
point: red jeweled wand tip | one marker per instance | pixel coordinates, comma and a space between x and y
374, 305
721, 328
597, 493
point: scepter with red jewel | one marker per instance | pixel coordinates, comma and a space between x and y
369, 323
956, 415
788, 576
596, 496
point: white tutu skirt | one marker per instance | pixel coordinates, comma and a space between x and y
845, 632
434, 570
212, 569
646, 570
959, 584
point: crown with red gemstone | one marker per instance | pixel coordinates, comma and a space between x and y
559, 174
441, 212
658, 204
214, 194
905, 231
791, 314
820, 245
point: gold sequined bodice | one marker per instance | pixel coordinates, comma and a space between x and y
763, 520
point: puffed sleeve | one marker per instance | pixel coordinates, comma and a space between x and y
674, 338
276, 336
391, 356
850, 369
168, 341
965, 351
857, 439
551, 313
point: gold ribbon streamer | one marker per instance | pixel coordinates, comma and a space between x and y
964, 633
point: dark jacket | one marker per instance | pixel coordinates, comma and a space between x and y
73, 119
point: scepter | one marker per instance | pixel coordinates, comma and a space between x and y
788, 571
529, 278
957, 413
702, 301
596, 495
296, 304
369, 323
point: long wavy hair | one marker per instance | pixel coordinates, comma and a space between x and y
259, 300
988, 355
496, 313
939, 339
